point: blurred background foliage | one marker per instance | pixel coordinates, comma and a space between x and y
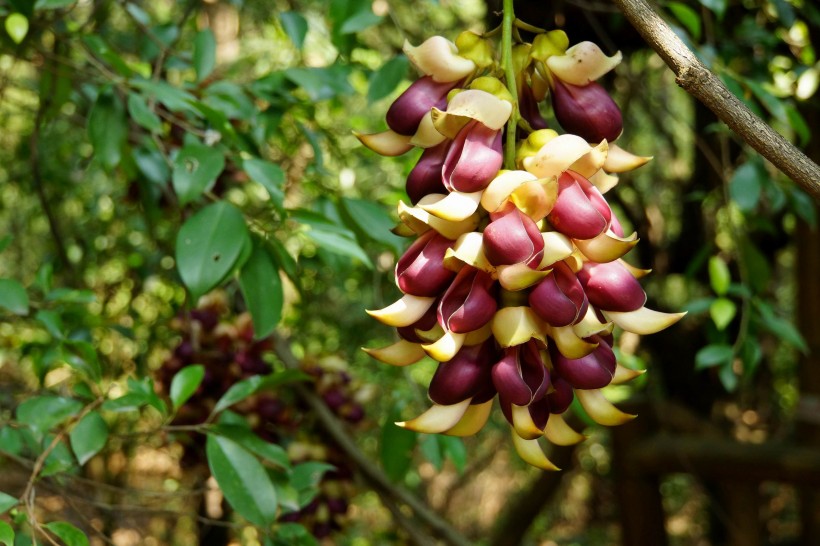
189, 234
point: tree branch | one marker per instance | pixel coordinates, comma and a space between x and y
701, 83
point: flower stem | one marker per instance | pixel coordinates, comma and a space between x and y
509, 72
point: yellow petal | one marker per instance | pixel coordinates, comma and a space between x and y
479, 336
446, 347
497, 192
591, 163
517, 325
534, 142
469, 249
600, 409
430, 335
536, 198
401, 353
643, 321
455, 207
560, 433
556, 156
404, 230
569, 344
519, 276
624, 374
523, 423
438, 57
437, 419
387, 143
531, 453
606, 247
419, 219
469, 105
603, 181
635, 271
590, 325
403, 312
582, 63
427, 135
473, 420
620, 161
557, 247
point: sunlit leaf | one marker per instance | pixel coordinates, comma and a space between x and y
262, 290
67, 533
204, 53
17, 27
719, 276
88, 437
722, 311
185, 383
196, 168
248, 439
295, 26
13, 297
384, 80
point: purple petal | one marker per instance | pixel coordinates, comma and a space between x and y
405, 114
593, 371
528, 107
559, 298
420, 271
611, 287
473, 159
467, 374
574, 214
469, 303
587, 111
425, 178
512, 237
561, 396
521, 376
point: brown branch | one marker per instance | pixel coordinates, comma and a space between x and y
701, 83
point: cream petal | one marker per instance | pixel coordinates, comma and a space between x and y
560, 433
473, 420
438, 57
556, 156
523, 423
519, 276
569, 344
401, 353
479, 336
531, 453
557, 247
536, 198
497, 192
419, 219
403, 312
603, 181
600, 409
606, 247
437, 419
469, 249
582, 63
517, 325
404, 230
624, 374
591, 163
387, 143
590, 325
620, 161
446, 347
455, 207
643, 321
471, 104
430, 335
427, 135
636, 272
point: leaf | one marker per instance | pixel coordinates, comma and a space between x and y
714, 355
242, 479
270, 176
798, 125
17, 27
185, 383
196, 168
728, 377
11, 439
305, 478
59, 460
13, 297
719, 276
295, 26
718, 7
107, 128
249, 440
140, 113
204, 53
360, 21
52, 322
209, 245
372, 222
687, 17
431, 450
383, 81
321, 83
781, 328
6, 534
82, 356
7, 502
177, 100
722, 311
396, 450
71, 295
456, 450
88, 437
238, 392
757, 266
42, 413
746, 185
697, 306
100, 48
262, 290
338, 243
67, 533
804, 206
53, 4
774, 105
293, 534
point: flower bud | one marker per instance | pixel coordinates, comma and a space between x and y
587, 111
580, 212
469, 303
420, 271
474, 47
521, 376
406, 112
425, 178
559, 299
561, 396
467, 374
593, 371
427, 322
528, 107
611, 287
512, 237
474, 158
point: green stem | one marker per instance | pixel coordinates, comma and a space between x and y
509, 72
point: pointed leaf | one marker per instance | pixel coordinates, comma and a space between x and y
185, 383
42, 413
13, 297
17, 27
295, 26
88, 437
722, 311
384, 80
107, 128
140, 113
204, 53
262, 290
270, 175
6, 534
719, 276
7, 502
196, 168
67, 533
714, 355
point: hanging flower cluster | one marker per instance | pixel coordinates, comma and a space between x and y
515, 281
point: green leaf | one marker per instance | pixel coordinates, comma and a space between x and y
82, 356
209, 245
52, 322
383, 81
697, 306
262, 290
13, 297
88, 437
431, 450
107, 128
372, 222
774, 105
7, 502
321, 83
305, 478
718, 7
757, 265
59, 460
719, 276
270, 175
185, 383
714, 355
338, 243
798, 124
295, 26
746, 185
100, 48
242, 479
177, 100
455, 449
196, 168
53, 4
238, 392
6, 534
293, 534
71, 295
360, 21
780, 327
17, 27
204, 53
804, 206
687, 17
67, 533
397, 444
722, 311
728, 377
12, 440
140, 113
43, 413
249, 440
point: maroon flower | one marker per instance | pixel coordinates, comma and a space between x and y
406, 112
512, 237
611, 287
469, 303
521, 377
473, 159
467, 374
593, 371
425, 178
420, 270
587, 111
580, 211
559, 298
